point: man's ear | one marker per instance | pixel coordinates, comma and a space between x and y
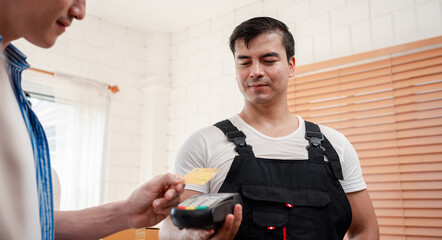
292, 67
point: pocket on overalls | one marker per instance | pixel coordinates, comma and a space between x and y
284, 213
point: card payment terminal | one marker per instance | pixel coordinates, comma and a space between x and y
205, 211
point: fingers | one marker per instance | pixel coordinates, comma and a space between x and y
174, 191
161, 182
224, 231
169, 199
231, 225
237, 212
153, 200
173, 179
180, 187
165, 190
170, 196
163, 206
164, 203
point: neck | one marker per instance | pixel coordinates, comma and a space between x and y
6, 38
6, 25
270, 119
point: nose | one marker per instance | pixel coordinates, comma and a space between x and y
78, 9
256, 71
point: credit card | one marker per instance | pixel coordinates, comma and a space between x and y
200, 176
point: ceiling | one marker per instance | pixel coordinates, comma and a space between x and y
164, 15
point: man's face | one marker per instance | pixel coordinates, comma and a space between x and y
262, 70
43, 21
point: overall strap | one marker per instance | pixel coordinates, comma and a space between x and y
236, 136
320, 145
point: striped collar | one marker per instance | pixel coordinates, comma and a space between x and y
14, 57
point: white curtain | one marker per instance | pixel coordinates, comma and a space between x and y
81, 120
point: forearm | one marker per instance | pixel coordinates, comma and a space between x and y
364, 223
368, 233
91, 223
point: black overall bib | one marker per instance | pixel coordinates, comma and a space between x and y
288, 199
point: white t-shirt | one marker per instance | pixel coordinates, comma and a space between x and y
209, 148
19, 209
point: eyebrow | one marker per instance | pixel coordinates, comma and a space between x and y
270, 54
243, 57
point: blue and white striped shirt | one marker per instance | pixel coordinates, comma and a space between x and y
16, 63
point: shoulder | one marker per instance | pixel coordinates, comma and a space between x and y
207, 134
338, 140
203, 140
332, 134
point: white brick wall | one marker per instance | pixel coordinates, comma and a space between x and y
272, 6
341, 41
379, 7
383, 33
361, 36
319, 6
323, 29
316, 24
405, 24
304, 47
199, 30
198, 58
222, 21
248, 11
350, 13
211, 39
323, 43
295, 12
429, 18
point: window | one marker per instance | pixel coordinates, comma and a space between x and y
73, 112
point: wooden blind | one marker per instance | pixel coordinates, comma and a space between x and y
391, 111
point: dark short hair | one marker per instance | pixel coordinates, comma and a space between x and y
252, 28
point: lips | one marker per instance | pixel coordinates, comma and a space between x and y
63, 23
258, 85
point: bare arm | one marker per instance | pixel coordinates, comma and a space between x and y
146, 206
364, 224
91, 223
228, 231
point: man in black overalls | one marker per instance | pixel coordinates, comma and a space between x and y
298, 199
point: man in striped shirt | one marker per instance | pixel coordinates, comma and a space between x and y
26, 207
